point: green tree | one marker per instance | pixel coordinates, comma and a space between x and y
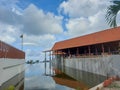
112, 12
37, 61
31, 62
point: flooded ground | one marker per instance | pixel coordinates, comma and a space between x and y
44, 77
37, 77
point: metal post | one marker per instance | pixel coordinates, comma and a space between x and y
50, 62
45, 62
21, 41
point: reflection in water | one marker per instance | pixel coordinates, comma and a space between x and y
36, 79
63, 79
41, 77
88, 78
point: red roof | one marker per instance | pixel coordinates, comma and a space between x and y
104, 36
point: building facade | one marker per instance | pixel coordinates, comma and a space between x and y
12, 63
91, 58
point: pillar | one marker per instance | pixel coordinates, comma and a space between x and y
89, 50
45, 62
119, 47
50, 62
103, 48
109, 51
96, 51
77, 52
69, 53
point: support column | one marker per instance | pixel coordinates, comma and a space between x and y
85, 51
77, 52
96, 51
50, 62
89, 50
45, 62
69, 52
103, 48
109, 50
119, 47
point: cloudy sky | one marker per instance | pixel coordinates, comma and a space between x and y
44, 22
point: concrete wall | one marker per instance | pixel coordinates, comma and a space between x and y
9, 68
102, 65
91, 70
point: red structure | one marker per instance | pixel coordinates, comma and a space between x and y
107, 41
7, 51
90, 58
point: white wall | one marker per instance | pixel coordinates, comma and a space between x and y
101, 65
7, 71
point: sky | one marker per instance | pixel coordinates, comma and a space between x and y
44, 22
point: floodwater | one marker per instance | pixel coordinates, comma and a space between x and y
39, 77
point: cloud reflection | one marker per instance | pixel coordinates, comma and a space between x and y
35, 79
39, 82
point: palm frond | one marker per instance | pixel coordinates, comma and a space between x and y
112, 13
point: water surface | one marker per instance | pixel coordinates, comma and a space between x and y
39, 77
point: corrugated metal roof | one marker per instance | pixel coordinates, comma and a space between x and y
108, 35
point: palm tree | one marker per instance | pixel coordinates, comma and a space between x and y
112, 12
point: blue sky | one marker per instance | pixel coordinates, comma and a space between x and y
44, 22
46, 5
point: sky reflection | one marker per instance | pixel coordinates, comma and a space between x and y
35, 79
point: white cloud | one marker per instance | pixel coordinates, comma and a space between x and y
9, 17
36, 44
82, 26
78, 8
37, 22
86, 16
77, 26
32, 54
8, 3
8, 33
37, 26
41, 28
118, 19
42, 40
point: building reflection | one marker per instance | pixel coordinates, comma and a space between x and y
63, 79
